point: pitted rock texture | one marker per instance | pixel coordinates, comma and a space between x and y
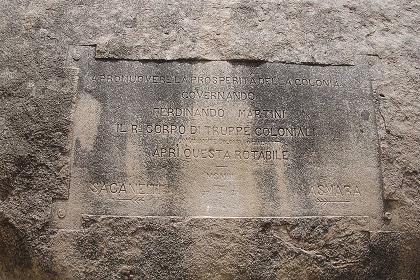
36, 101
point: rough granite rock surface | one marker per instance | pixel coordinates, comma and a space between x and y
36, 100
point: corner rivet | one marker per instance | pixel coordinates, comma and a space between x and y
76, 56
61, 213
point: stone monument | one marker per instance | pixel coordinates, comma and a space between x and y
209, 140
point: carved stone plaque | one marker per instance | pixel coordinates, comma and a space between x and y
222, 139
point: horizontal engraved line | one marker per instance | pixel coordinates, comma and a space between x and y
227, 217
325, 200
228, 140
335, 201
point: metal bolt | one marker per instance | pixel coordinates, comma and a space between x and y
76, 55
61, 213
387, 216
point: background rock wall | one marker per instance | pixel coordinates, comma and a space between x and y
36, 99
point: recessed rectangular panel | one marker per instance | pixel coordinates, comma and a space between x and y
223, 139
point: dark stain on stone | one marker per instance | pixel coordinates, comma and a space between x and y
12, 165
267, 184
14, 251
265, 227
393, 255
89, 245
163, 249
166, 170
266, 253
266, 175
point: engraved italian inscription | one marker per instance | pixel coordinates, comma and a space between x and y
223, 139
